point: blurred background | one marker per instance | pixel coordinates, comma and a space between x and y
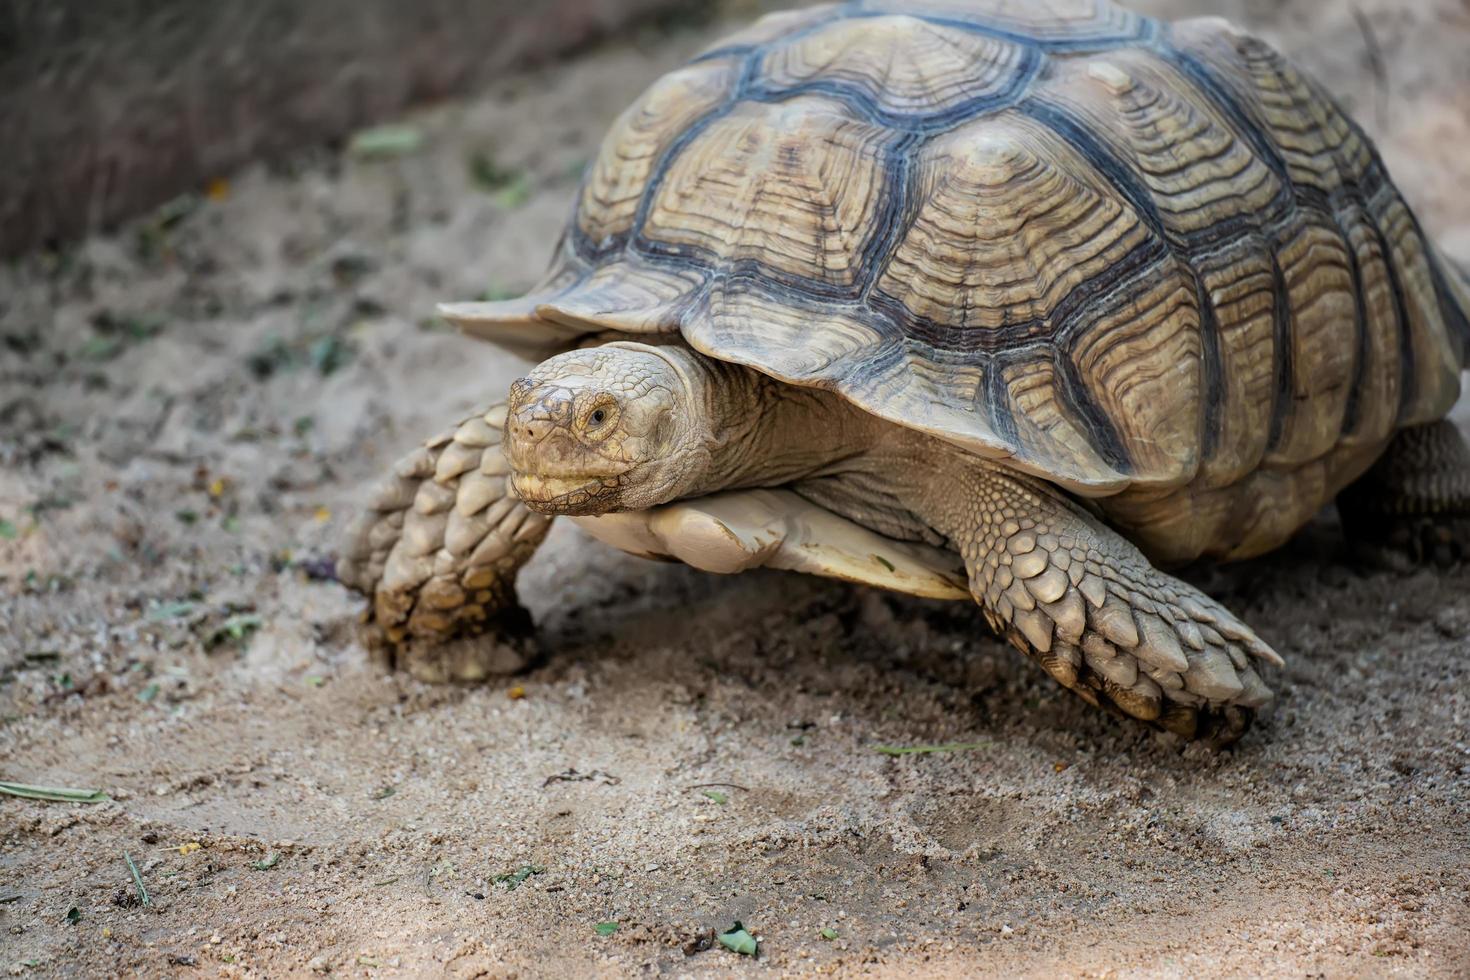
224, 228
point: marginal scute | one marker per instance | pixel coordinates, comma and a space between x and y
1375, 404
1048, 432
1140, 364
1239, 287
627, 296
1436, 380
742, 323
1316, 273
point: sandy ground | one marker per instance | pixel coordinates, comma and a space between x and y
189, 411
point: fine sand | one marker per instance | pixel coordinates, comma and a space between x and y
190, 411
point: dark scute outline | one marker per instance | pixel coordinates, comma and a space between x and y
1285, 388
885, 225
590, 251
1084, 409
1351, 414
1212, 367
1057, 327
865, 107
1100, 157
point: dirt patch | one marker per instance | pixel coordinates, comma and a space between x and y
191, 410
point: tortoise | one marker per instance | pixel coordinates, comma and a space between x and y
1018, 301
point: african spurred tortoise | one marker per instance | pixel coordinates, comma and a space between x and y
1018, 300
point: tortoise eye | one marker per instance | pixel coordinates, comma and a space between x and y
598, 417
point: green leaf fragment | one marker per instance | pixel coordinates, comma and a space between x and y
330, 353
143, 327
383, 792
171, 610
149, 693
885, 563
100, 348
8, 530
828, 934
717, 796
924, 749
137, 880
515, 194
489, 175
737, 940
386, 141
513, 878
54, 794
269, 861
235, 629
73, 915
605, 928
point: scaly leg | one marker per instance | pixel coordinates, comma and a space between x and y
1075, 596
437, 554
1413, 506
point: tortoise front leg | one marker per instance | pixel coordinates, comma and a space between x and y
437, 553
1413, 506
1086, 604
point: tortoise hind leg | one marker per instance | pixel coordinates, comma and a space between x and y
437, 553
1413, 506
1075, 596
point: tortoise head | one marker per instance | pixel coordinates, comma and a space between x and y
612, 428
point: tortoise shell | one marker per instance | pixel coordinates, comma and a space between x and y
1123, 255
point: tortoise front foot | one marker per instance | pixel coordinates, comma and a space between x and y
1413, 507
1089, 607
437, 553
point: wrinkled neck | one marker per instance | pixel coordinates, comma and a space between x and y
759, 432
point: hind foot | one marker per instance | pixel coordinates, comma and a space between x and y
1413, 507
